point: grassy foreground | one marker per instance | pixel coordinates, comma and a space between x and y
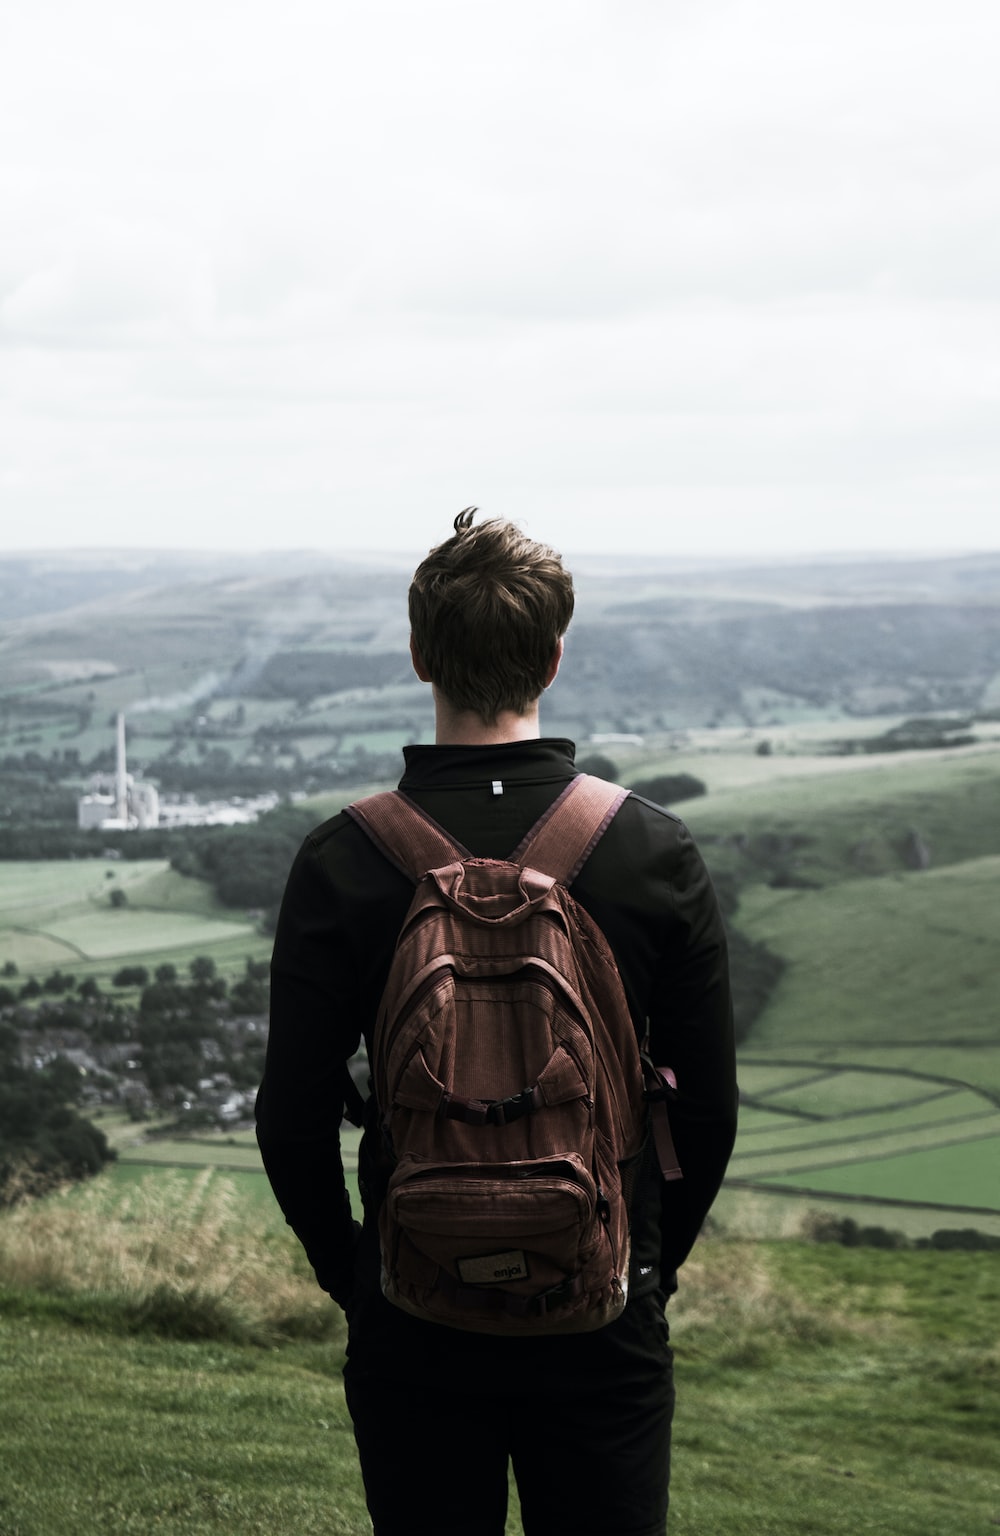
166, 1365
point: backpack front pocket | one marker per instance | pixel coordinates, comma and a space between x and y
541, 1211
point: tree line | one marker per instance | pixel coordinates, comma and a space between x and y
44, 1140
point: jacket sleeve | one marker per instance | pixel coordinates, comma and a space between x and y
691, 1031
648, 889
314, 1030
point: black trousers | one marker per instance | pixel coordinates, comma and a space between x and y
584, 1421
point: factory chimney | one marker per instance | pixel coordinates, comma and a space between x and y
121, 780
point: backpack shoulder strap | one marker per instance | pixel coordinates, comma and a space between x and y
405, 834
565, 835
557, 845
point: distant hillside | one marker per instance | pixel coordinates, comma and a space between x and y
50, 582
660, 648
640, 661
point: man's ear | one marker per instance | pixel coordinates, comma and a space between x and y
418, 662
557, 657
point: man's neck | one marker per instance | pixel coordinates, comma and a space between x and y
464, 728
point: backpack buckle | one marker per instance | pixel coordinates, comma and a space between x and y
559, 1295
503, 1111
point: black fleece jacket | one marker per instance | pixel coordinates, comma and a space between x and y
647, 888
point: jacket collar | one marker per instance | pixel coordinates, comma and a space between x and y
433, 767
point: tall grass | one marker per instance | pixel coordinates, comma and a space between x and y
821, 1388
193, 1257
183, 1257
733, 1307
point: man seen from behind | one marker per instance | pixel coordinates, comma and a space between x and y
439, 1412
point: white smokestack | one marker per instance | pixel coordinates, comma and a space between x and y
121, 781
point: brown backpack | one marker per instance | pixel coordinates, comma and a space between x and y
508, 1080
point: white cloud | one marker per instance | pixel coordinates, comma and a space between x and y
288, 275
120, 283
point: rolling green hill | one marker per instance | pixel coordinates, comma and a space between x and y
57, 914
871, 1082
824, 820
908, 958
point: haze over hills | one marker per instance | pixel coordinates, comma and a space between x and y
655, 644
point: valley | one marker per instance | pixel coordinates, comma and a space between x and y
840, 723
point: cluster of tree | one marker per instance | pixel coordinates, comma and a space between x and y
29, 800
662, 788
93, 1012
246, 866
180, 1030
165, 990
225, 856
219, 774
32, 784
180, 1037
167, 993
56, 984
23, 838
669, 788
823, 1228
172, 1047
39, 768
102, 1019
304, 675
205, 983
44, 1140
913, 735
38, 815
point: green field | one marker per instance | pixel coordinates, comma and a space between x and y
944, 1154
957, 1177
58, 914
871, 1082
907, 956
234, 1154
851, 813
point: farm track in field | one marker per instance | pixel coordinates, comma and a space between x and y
867, 1145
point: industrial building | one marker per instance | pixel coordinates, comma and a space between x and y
117, 802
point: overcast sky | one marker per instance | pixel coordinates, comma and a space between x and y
688, 275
